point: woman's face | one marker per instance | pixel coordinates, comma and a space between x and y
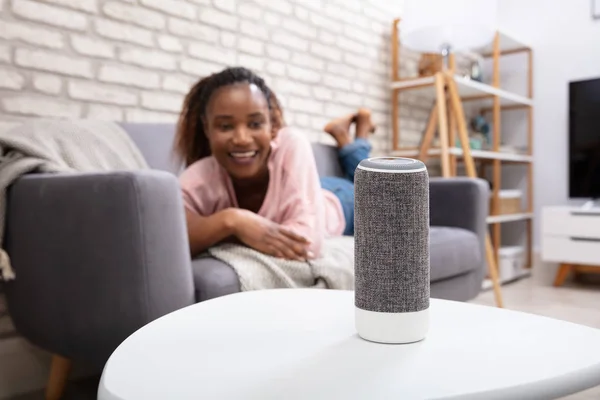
238, 127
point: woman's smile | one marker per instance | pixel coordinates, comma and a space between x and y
244, 157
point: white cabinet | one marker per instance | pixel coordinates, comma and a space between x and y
571, 235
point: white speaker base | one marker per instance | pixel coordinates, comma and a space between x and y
392, 327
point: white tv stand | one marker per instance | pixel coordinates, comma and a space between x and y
571, 237
591, 205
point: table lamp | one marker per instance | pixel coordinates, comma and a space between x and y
442, 26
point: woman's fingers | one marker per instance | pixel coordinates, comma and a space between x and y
284, 249
294, 236
275, 252
284, 243
290, 249
301, 249
299, 243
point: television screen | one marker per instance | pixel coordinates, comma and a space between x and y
584, 139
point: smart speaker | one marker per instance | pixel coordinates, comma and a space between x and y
391, 239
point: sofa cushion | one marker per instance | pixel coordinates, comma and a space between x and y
453, 251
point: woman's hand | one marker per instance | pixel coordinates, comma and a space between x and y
269, 237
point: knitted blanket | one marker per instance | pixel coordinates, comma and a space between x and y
61, 146
257, 271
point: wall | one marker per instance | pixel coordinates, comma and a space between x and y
566, 47
133, 60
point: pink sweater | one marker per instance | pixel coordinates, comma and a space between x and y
294, 196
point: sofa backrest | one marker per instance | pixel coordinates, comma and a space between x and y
155, 141
328, 163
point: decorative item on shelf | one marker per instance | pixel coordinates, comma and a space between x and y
512, 262
480, 126
509, 201
430, 64
476, 70
475, 142
470, 65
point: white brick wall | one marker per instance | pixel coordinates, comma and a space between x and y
5, 55
80, 90
169, 43
10, 79
134, 60
177, 83
193, 30
88, 46
47, 83
172, 7
21, 32
25, 104
149, 59
53, 62
135, 15
34, 11
90, 6
123, 32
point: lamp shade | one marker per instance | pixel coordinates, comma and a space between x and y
429, 25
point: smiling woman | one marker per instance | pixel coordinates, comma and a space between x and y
251, 179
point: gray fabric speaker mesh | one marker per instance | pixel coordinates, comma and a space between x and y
391, 231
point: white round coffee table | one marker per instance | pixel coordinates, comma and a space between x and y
302, 344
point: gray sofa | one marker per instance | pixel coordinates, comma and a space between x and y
98, 255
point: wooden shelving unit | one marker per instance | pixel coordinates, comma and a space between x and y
490, 98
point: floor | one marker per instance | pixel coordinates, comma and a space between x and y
576, 302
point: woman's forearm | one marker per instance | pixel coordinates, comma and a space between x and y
204, 232
248, 228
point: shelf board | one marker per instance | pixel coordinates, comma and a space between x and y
524, 273
467, 89
494, 219
477, 154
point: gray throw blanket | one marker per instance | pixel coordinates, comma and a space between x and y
61, 146
257, 271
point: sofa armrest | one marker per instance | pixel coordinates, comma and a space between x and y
213, 278
96, 257
459, 202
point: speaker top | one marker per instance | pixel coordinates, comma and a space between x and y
392, 164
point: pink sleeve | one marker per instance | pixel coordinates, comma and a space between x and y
188, 201
189, 182
304, 207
